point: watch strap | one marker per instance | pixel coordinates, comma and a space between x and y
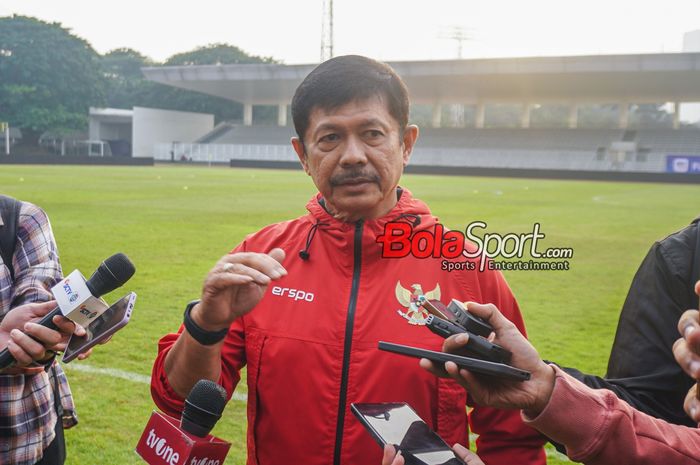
200, 335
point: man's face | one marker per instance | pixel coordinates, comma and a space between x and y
355, 155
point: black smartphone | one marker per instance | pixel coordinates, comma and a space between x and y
468, 321
483, 367
398, 424
477, 346
111, 321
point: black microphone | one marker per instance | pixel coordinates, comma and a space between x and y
165, 441
111, 274
203, 407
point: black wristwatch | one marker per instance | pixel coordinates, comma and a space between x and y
204, 337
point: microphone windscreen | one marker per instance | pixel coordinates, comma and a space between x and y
111, 274
203, 407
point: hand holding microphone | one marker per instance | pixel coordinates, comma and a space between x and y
28, 341
111, 274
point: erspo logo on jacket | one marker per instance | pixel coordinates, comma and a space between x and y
294, 294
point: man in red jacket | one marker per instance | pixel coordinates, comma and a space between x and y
308, 331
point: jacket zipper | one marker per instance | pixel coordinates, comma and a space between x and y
349, 324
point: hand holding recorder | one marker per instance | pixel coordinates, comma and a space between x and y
531, 395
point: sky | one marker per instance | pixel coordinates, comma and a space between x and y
389, 30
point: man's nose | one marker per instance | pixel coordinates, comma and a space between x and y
353, 152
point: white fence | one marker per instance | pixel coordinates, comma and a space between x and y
426, 156
222, 153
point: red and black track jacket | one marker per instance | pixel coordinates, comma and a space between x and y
309, 357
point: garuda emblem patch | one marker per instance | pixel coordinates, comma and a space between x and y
414, 313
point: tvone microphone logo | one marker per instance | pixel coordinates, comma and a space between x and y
161, 448
204, 461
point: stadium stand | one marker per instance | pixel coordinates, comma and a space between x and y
588, 150
229, 133
686, 141
534, 139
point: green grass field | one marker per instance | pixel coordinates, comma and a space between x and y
175, 222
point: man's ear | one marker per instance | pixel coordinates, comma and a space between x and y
298, 146
410, 136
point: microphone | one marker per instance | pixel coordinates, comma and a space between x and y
203, 407
165, 441
111, 274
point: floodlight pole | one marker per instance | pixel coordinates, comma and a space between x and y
7, 138
327, 31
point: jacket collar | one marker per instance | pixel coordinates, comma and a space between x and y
407, 209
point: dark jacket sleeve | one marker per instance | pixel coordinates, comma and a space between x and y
642, 370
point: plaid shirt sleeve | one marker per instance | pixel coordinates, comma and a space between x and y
35, 259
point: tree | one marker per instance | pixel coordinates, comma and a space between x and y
127, 87
124, 63
48, 77
215, 54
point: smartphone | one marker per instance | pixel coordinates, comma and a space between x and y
111, 321
398, 424
477, 346
483, 367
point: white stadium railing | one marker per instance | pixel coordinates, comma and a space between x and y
426, 156
222, 153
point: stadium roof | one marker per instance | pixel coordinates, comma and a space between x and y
654, 78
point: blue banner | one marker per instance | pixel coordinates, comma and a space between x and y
683, 164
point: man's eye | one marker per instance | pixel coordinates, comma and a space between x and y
329, 138
373, 134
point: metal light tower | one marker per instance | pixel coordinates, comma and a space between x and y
327, 31
460, 35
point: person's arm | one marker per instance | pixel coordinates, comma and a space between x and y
598, 428
231, 361
35, 259
231, 289
595, 425
641, 369
503, 437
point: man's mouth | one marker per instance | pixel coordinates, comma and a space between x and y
355, 181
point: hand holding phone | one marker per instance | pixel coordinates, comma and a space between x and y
392, 457
103, 327
530, 395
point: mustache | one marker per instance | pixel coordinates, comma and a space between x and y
354, 176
